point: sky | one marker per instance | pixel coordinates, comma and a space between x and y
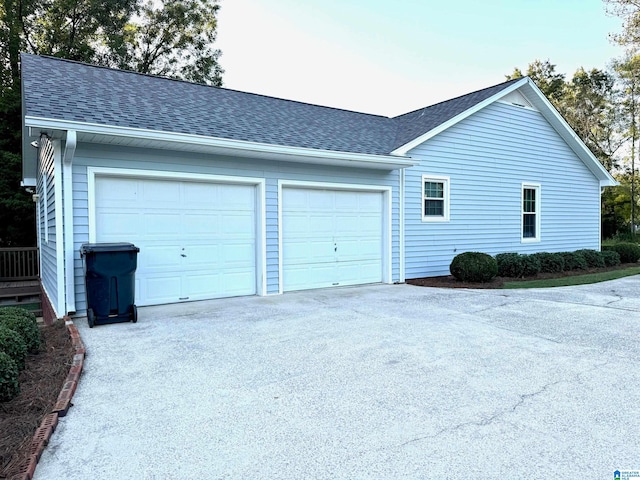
392, 57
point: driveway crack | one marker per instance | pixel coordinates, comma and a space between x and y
523, 398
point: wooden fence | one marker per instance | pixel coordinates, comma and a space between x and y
18, 264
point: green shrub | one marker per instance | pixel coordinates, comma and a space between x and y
592, 257
611, 258
474, 267
23, 322
509, 265
629, 252
9, 386
13, 345
573, 261
550, 262
530, 266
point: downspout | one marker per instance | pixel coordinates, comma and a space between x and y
401, 229
67, 185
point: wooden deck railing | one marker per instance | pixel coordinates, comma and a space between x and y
18, 263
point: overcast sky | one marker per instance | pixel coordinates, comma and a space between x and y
392, 57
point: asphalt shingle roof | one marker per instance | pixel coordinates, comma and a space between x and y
67, 90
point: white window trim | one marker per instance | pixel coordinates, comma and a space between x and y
446, 197
538, 188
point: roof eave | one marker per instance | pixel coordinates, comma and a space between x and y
99, 133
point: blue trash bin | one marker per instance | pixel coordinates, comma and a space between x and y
109, 274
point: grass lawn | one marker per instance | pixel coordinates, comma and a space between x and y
574, 280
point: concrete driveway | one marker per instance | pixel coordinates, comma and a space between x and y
383, 382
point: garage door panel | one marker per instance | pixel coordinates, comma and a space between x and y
235, 224
196, 239
331, 238
237, 255
162, 289
161, 225
160, 193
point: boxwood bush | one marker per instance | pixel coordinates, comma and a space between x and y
13, 345
9, 386
509, 265
530, 266
550, 262
592, 257
573, 261
474, 267
611, 258
629, 252
23, 322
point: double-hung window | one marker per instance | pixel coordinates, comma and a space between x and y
530, 212
435, 199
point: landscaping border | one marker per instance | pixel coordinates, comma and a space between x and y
61, 407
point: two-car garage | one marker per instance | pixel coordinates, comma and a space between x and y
204, 237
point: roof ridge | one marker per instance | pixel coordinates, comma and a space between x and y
161, 77
513, 80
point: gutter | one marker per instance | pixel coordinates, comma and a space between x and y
67, 193
228, 146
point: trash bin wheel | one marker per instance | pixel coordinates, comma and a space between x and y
91, 318
134, 313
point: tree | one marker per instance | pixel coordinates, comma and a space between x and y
174, 39
628, 70
545, 77
629, 11
163, 37
589, 104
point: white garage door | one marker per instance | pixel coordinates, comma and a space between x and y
197, 240
331, 238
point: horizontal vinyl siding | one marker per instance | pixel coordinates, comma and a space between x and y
159, 160
487, 157
47, 240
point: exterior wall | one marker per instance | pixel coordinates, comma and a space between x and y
158, 160
47, 231
487, 157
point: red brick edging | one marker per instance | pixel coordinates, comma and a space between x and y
60, 409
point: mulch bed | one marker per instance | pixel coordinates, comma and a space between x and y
449, 281
40, 384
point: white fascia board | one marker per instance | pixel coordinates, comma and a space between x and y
561, 126
278, 152
404, 149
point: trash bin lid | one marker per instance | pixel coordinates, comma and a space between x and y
108, 247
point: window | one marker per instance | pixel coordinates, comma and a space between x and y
435, 199
530, 212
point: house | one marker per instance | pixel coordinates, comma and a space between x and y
230, 193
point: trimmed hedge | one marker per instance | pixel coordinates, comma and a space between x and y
530, 266
611, 258
629, 252
474, 267
550, 262
593, 258
23, 322
510, 265
12, 344
573, 261
9, 386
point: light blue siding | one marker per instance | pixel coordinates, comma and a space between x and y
47, 241
487, 157
271, 171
